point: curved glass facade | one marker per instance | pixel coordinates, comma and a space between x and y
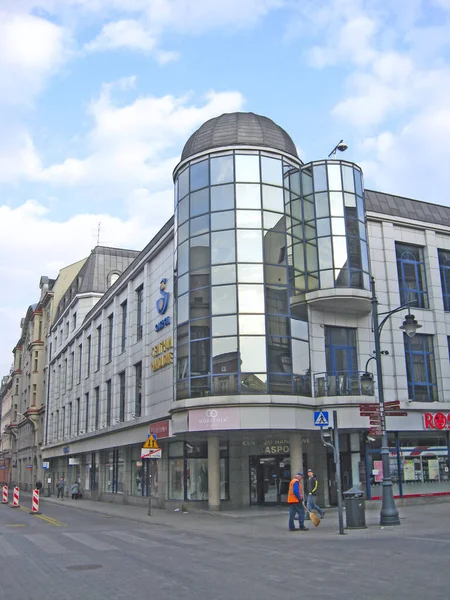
251, 240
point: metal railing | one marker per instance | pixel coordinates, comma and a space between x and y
341, 384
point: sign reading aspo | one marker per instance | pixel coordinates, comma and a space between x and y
438, 420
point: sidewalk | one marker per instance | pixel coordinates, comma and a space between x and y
433, 519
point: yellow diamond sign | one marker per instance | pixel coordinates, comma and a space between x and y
151, 443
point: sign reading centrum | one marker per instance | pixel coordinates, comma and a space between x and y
162, 354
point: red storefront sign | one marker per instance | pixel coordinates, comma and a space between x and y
160, 429
437, 420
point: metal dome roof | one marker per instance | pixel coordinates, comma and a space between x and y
238, 129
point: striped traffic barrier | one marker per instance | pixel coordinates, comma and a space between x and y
5, 495
35, 503
15, 503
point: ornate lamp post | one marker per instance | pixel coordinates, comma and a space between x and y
389, 512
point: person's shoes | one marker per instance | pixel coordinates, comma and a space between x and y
322, 515
294, 529
304, 529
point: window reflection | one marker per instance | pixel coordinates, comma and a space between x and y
182, 334
199, 202
223, 247
253, 383
252, 325
199, 302
199, 225
277, 325
336, 204
250, 273
323, 227
320, 178
183, 308
222, 197
279, 354
280, 384
199, 251
321, 201
300, 357
183, 183
183, 258
272, 198
347, 176
221, 169
199, 175
248, 195
223, 274
183, 232
225, 355
349, 199
338, 226
299, 329
248, 218
307, 186
247, 167
183, 210
222, 220
183, 284
277, 300
224, 325
182, 361
200, 357
275, 275
334, 177
340, 251
272, 220
249, 246
200, 278
251, 298
324, 251
200, 329
253, 354
271, 171
223, 299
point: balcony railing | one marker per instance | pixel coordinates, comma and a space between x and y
341, 384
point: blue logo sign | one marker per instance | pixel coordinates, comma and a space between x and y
321, 418
163, 302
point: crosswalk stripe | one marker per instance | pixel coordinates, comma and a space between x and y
6, 549
45, 543
132, 539
88, 540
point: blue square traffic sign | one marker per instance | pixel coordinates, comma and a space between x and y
321, 418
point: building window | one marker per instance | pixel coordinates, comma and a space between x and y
57, 425
138, 390
80, 361
36, 361
40, 329
72, 366
108, 402
140, 311
74, 321
88, 365
444, 267
110, 336
340, 350
97, 406
420, 368
122, 396
411, 275
99, 346
124, 326
86, 423
65, 376
64, 422
78, 416
70, 419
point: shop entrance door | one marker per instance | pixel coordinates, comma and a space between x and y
269, 479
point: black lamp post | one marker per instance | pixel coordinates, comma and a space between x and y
389, 512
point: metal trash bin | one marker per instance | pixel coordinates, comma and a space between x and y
355, 509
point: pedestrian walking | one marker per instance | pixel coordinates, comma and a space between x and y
38, 485
60, 488
295, 501
311, 489
75, 490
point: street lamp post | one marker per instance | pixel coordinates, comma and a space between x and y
389, 513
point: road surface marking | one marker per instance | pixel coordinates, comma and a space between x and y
87, 540
16, 525
132, 539
46, 544
51, 521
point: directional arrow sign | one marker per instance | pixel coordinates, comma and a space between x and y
396, 413
370, 405
394, 403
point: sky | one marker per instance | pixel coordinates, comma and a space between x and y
97, 98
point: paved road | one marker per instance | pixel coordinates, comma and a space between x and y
68, 554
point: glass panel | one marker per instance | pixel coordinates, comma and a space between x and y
222, 220
324, 251
183, 210
336, 204
279, 354
223, 299
200, 329
320, 178
340, 252
272, 198
321, 201
251, 298
222, 197
275, 248
249, 246
223, 247
224, 326
183, 183
252, 325
222, 386
197, 480
176, 483
360, 203
248, 196
199, 225
247, 167
349, 199
271, 171
199, 302
307, 187
183, 308
278, 326
280, 384
250, 273
223, 274
183, 258
200, 202
308, 209
248, 218
347, 176
253, 383
200, 358
275, 275
183, 284
338, 226
300, 357
221, 170
253, 354
277, 300
364, 257
273, 220
182, 390
182, 334
362, 231
183, 232
323, 227
311, 257
294, 180
358, 183
199, 252
299, 329
200, 278
225, 355
327, 279
334, 177
199, 175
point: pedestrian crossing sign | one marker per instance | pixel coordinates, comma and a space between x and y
151, 443
321, 418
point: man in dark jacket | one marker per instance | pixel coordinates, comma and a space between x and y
311, 489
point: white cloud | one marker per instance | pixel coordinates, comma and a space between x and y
123, 34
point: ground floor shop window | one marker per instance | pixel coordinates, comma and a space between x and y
188, 471
418, 465
113, 471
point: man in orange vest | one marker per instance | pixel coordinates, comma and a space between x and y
295, 501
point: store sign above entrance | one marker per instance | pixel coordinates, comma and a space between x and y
160, 429
438, 420
213, 419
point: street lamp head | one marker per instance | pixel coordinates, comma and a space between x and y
342, 146
410, 325
367, 383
